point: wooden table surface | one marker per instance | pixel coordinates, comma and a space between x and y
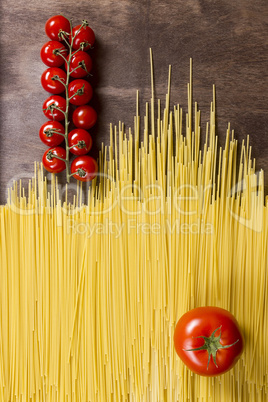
227, 39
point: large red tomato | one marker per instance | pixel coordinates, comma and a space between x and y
208, 340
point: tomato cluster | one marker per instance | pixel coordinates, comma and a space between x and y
69, 65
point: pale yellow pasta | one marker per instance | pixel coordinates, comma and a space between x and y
91, 290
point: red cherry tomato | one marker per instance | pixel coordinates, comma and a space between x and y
80, 65
208, 340
48, 133
84, 167
53, 164
84, 117
50, 53
50, 105
84, 89
52, 80
55, 25
82, 139
84, 38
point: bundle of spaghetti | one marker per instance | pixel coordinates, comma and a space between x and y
91, 290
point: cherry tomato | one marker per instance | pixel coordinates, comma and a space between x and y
84, 167
48, 133
85, 37
82, 138
84, 89
208, 340
52, 80
49, 107
55, 25
50, 53
53, 164
80, 65
84, 117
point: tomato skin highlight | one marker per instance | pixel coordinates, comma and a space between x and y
80, 57
76, 135
58, 101
202, 321
52, 85
84, 117
87, 164
49, 58
83, 98
56, 24
86, 34
54, 165
55, 139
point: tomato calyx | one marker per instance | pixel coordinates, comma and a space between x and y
81, 172
51, 156
82, 64
57, 78
81, 144
53, 107
83, 45
63, 35
212, 345
49, 132
85, 23
79, 92
59, 51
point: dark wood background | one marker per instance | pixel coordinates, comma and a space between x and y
227, 39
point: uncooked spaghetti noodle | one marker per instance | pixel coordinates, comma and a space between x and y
91, 290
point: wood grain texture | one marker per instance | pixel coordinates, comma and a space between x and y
227, 40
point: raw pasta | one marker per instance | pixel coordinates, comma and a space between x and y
91, 290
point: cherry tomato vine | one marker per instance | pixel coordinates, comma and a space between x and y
68, 49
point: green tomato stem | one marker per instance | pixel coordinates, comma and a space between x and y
76, 68
63, 37
212, 345
68, 73
68, 62
76, 51
64, 58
